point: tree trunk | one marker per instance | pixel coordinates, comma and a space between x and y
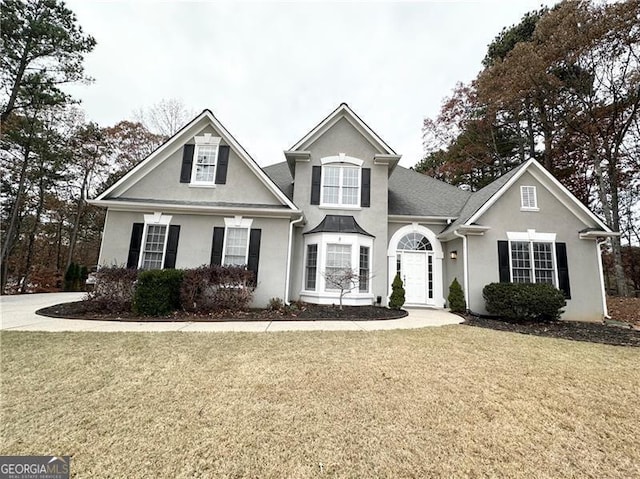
10, 233
76, 224
32, 237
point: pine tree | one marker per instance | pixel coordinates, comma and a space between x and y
396, 300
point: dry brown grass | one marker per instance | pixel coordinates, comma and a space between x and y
446, 402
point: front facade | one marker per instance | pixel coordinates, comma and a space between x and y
341, 210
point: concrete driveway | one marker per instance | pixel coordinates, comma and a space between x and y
17, 313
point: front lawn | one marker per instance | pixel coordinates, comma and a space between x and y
446, 402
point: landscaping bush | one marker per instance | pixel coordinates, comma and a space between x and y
216, 287
456, 301
276, 304
157, 292
75, 277
113, 290
520, 302
396, 300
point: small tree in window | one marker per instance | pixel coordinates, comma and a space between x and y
345, 280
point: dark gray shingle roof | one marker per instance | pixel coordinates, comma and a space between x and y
410, 193
415, 194
480, 197
281, 176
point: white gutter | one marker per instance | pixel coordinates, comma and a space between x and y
603, 292
289, 253
465, 268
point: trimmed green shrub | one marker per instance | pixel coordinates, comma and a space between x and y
520, 302
456, 301
396, 300
157, 292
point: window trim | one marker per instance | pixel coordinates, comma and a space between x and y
531, 237
155, 219
322, 240
534, 195
237, 222
307, 267
342, 162
205, 140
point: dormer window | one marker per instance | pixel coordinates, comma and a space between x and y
528, 199
205, 160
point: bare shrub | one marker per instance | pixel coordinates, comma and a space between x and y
113, 290
216, 287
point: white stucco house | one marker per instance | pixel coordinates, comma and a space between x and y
339, 199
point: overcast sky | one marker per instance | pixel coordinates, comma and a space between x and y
271, 71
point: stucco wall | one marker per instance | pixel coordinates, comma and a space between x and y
344, 138
553, 217
194, 247
163, 183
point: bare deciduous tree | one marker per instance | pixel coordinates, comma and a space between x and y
165, 117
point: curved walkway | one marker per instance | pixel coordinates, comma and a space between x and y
17, 313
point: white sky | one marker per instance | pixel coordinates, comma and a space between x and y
271, 71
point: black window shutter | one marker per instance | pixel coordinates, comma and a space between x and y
503, 262
223, 162
254, 252
187, 161
134, 245
365, 188
172, 246
316, 174
563, 269
217, 245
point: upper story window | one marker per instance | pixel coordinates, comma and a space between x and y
205, 160
340, 185
528, 198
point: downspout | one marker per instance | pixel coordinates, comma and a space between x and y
603, 292
465, 268
289, 253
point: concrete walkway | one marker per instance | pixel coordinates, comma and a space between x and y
17, 313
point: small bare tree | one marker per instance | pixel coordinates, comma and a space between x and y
344, 280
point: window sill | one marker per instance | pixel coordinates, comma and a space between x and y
340, 207
202, 185
330, 297
529, 209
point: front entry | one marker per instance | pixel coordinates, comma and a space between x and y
415, 263
416, 271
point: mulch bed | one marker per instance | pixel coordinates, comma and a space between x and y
624, 309
572, 330
306, 312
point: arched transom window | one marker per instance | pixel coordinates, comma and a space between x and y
414, 242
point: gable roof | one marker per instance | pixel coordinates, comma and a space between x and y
480, 201
343, 111
176, 142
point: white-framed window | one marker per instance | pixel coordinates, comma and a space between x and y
528, 198
338, 258
205, 159
328, 254
532, 257
311, 267
154, 241
235, 251
340, 181
363, 274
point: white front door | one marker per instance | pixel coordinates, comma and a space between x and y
414, 276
